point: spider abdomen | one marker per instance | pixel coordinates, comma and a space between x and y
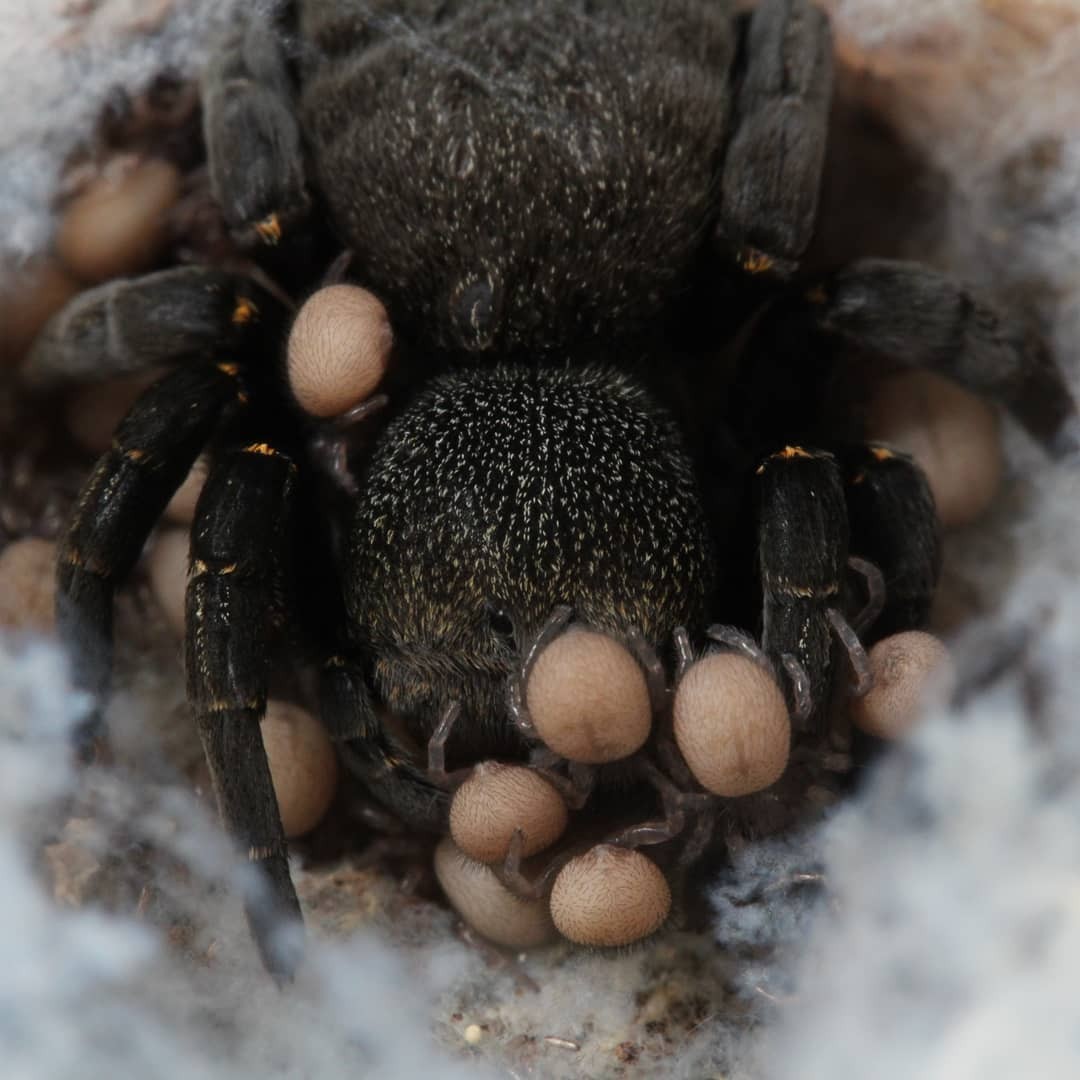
519, 489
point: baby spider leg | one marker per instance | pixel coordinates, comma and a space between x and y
676, 805
732, 638
552, 628
773, 165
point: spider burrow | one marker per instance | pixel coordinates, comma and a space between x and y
611, 394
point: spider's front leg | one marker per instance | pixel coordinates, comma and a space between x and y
239, 539
184, 316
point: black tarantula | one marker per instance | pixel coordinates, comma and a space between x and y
565, 206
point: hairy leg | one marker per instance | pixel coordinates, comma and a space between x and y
772, 170
239, 541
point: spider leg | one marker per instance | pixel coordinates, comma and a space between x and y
894, 526
152, 452
117, 327
874, 584
436, 749
240, 531
802, 557
252, 137
372, 750
916, 317
773, 166
519, 709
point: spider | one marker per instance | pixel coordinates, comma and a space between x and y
613, 387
